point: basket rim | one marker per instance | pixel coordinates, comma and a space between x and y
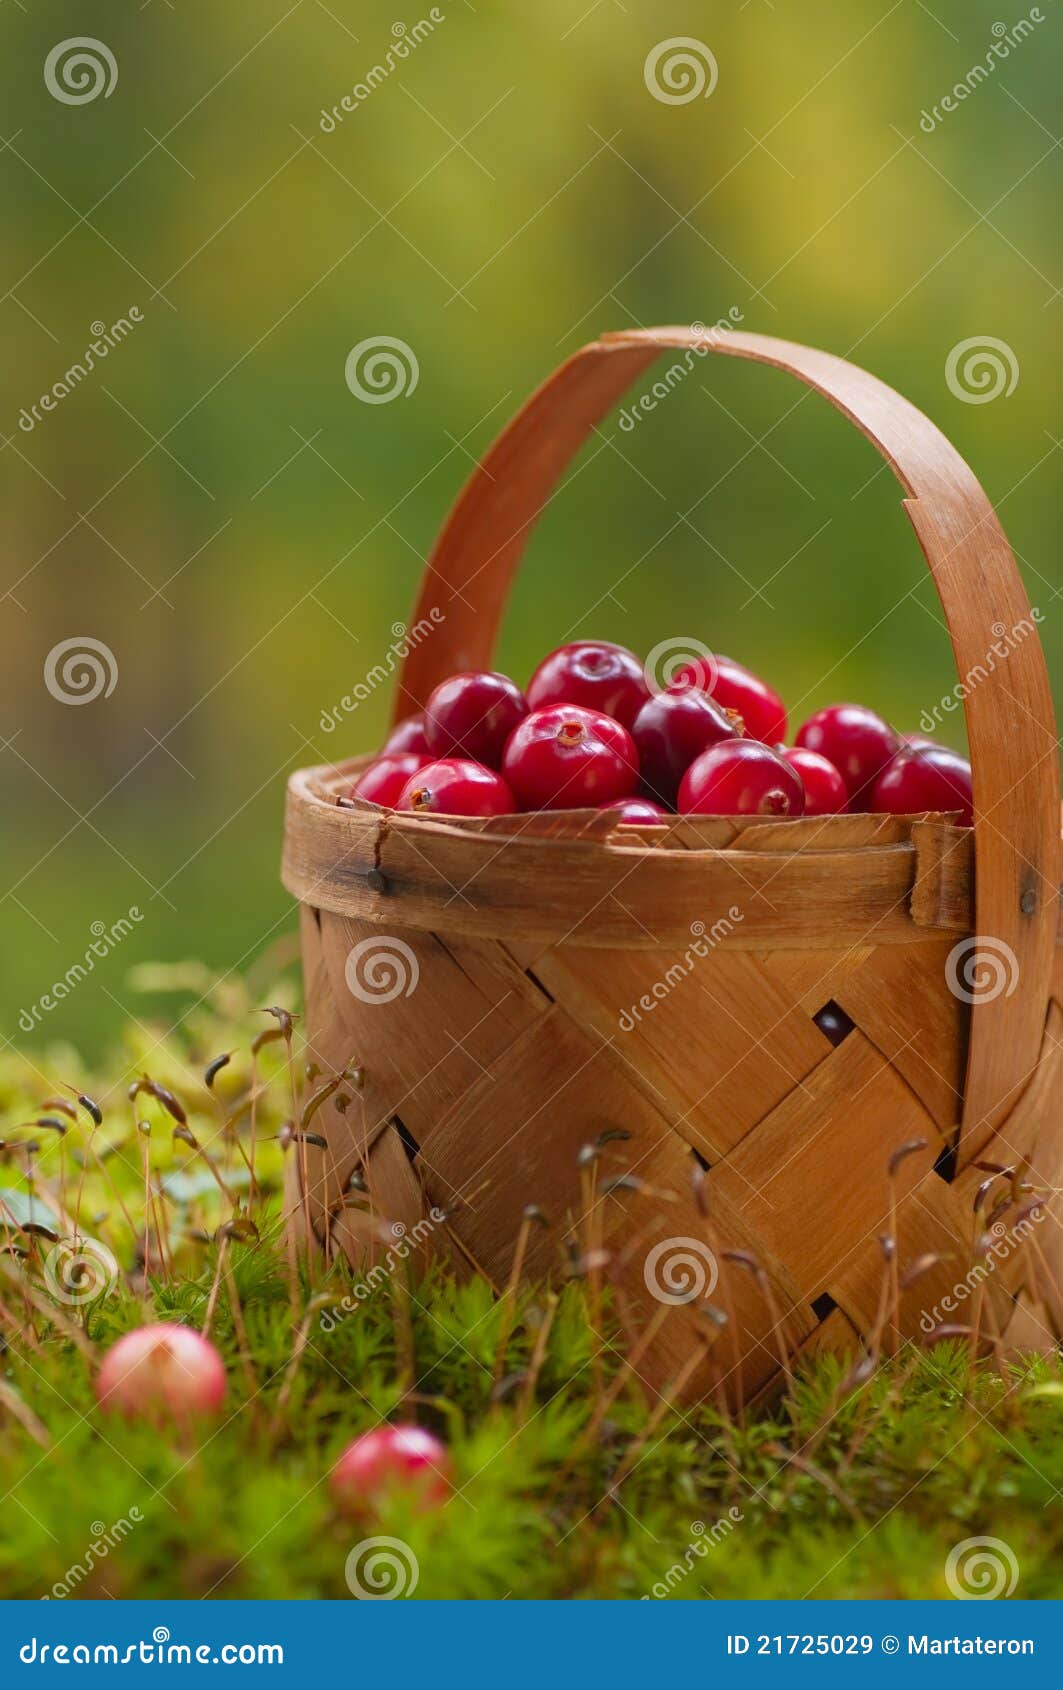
906, 880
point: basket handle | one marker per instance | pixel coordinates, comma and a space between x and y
1010, 721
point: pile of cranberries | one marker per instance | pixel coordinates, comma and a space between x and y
591, 731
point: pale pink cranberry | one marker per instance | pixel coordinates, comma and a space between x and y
161, 1372
391, 1461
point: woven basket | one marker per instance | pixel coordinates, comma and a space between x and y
514, 991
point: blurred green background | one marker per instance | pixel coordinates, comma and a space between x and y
215, 505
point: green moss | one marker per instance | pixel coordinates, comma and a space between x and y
924, 1455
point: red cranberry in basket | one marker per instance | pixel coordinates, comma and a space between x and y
455, 786
637, 811
924, 777
856, 741
473, 715
671, 730
593, 674
393, 1460
741, 777
909, 742
383, 781
408, 736
737, 688
825, 791
566, 758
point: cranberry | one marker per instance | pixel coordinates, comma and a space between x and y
924, 778
741, 777
408, 736
566, 757
737, 688
391, 1459
456, 786
162, 1372
825, 791
472, 715
637, 811
383, 781
856, 741
594, 674
671, 730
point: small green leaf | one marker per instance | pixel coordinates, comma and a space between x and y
183, 1187
26, 1213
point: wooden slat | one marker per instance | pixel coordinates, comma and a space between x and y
421, 1051
901, 1001
496, 1166
812, 1177
810, 978
711, 1037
